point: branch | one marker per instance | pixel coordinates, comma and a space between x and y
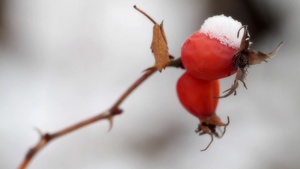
45, 138
109, 114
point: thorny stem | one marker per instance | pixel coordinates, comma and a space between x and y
45, 138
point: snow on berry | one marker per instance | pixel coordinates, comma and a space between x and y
224, 28
219, 49
207, 53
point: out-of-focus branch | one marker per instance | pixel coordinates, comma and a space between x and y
45, 138
109, 114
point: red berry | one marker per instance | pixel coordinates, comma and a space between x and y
207, 58
207, 54
197, 95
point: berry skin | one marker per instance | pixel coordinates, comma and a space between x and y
197, 96
206, 58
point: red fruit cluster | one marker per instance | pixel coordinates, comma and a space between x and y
211, 54
205, 60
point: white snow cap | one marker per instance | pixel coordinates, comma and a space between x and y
224, 29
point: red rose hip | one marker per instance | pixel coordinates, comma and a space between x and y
197, 96
207, 54
207, 58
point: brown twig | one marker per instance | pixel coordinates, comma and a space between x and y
138, 9
45, 138
109, 114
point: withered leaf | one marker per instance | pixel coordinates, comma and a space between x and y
159, 47
159, 44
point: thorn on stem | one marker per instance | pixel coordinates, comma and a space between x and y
39, 131
110, 120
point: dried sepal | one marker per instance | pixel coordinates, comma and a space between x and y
208, 125
240, 76
243, 58
230, 90
256, 58
239, 59
159, 44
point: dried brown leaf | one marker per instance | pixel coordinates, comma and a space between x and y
159, 47
161, 26
159, 44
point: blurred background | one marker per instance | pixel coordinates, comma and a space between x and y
63, 61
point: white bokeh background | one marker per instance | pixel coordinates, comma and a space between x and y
69, 60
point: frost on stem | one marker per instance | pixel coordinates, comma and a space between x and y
244, 57
209, 124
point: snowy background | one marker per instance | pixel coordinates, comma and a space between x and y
63, 61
